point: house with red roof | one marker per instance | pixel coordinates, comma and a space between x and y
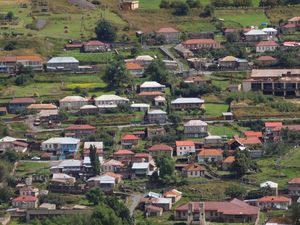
95, 46
184, 148
235, 211
293, 24
79, 130
135, 69
210, 155
25, 202
266, 46
20, 104
9, 64
271, 132
195, 44
142, 157
129, 140
170, 35
274, 202
123, 155
152, 210
265, 60
160, 148
294, 187
174, 194
227, 162
193, 170
250, 133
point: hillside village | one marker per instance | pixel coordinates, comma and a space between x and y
138, 112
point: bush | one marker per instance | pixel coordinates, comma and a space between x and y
164, 4
181, 9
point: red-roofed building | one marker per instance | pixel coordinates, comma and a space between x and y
124, 156
135, 69
272, 130
257, 134
9, 63
152, 210
80, 130
73, 46
266, 46
184, 148
265, 60
193, 170
25, 202
235, 211
20, 104
195, 44
95, 46
142, 157
170, 34
174, 194
129, 140
210, 155
3, 111
274, 202
161, 148
294, 187
226, 163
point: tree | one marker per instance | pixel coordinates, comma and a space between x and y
116, 75
105, 31
261, 192
181, 9
94, 196
166, 167
104, 215
220, 3
94, 159
11, 156
208, 11
11, 45
243, 163
5, 194
233, 37
235, 191
157, 71
270, 3
296, 214
194, 3
63, 115
164, 4
10, 16
238, 3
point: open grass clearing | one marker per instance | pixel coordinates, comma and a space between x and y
26, 168
215, 109
220, 130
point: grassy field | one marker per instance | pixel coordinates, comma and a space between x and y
223, 130
27, 168
215, 110
241, 17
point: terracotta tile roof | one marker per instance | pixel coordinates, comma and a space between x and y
265, 58
167, 30
200, 41
112, 162
267, 43
172, 193
253, 134
25, 199
133, 66
274, 199
141, 155
153, 208
273, 124
22, 101
150, 93
115, 175
294, 181
295, 19
129, 137
160, 147
294, 127
94, 43
185, 143
20, 143
234, 207
289, 25
80, 127
212, 152
280, 220
251, 140
3, 109
194, 167
229, 159
42, 106
123, 152
30, 58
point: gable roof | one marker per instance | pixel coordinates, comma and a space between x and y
185, 143
167, 30
123, 152
294, 19
152, 84
188, 101
230, 159
255, 32
229, 59
73, 99
210, 152
195, 123
274, 199
267, 43
22, 101
133, 66
294, 181
80, 127
273, 124
200, 41
253, 134
129, 137
250, 140
94, 43
265, 58
160, 147
25, 199
194, 167
42, 106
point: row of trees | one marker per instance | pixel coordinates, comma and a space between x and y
228, 3
272, 3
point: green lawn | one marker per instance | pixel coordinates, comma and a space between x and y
223, 130
241, 17
215, 110
222, 84
27, 168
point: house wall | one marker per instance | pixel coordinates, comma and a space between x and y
185, 150
73, 105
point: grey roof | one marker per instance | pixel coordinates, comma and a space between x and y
255, 32
242, 60
62, 140
152, 84
195, 123
227, 114
89, 107
106, 179
269, 29
187, 100
70, 163
73, 99
141, 165
110, 98
212, 137
156, 111
140, 105
270, 184
63, 60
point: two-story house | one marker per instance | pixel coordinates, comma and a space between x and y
184, 148
195, 128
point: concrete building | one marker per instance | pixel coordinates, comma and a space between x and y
72, 103
94, 46
110, 100
279, 82
256, 35
8, 64
195, 128
157, 116
184, 148
150, 86
195, 44
187, 103
61, 145
63, 64
266, 46
170, 34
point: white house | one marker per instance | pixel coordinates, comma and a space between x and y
140, 107
110, 100
72, 103
61, 144
149, 86
195, 128
185, 148
63, 63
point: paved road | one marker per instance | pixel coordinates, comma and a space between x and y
136, 199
